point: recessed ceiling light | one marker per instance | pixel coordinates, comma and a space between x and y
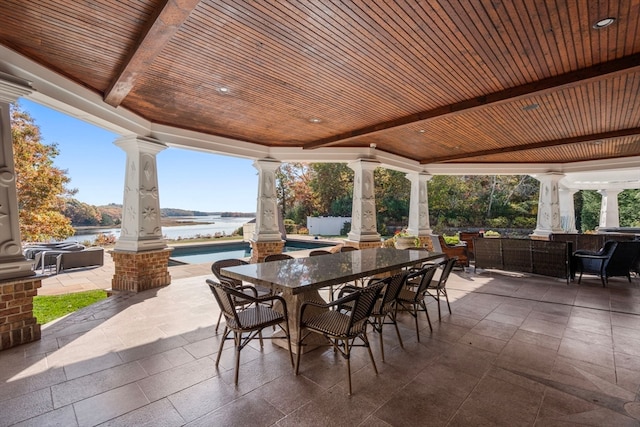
421, 131
530, 107
603, 23
315, 120
223, 90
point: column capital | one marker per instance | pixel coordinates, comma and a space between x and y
267, 164
12, 88
422, 176
363, 164
140, 144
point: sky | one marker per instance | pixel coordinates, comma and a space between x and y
187, 179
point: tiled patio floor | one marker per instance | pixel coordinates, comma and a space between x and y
517, 350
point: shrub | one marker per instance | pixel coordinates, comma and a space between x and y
290, 226
451, 240
346, 228
524, 222
303, 230
105, 239
499, 222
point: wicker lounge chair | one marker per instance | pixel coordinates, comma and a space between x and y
614, 259
247, 322
91, 257
459, 251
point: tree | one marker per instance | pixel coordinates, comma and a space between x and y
332, 186
41, 186
82, 214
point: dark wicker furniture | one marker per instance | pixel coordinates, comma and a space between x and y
247, 322
614, 259
547, 258
339, 327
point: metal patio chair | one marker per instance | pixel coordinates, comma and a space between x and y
341, 329
248, 321
411, 298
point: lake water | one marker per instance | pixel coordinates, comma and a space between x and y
226, 225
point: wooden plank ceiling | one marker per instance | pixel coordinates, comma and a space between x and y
468, 81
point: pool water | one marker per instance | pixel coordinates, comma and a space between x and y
200, 254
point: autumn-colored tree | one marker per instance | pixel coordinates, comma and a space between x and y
82, 214
40, 185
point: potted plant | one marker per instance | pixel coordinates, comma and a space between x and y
491, 234
402, 240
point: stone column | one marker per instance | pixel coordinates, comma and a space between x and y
12, 263
363, 232
567, 210
609, 213
419, 208
267, 238
18, 283
548, 206
141, 255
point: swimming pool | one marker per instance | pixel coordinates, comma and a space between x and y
199, 254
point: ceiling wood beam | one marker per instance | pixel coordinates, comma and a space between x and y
158, 32
540, 87
544, 144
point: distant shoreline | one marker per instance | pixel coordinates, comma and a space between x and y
164, 222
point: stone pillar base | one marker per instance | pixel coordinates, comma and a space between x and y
543, 234
363, 245
17, 324
139, 271
259, 250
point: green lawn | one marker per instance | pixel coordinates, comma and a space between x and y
50, 307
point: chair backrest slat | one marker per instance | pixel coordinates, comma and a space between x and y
425, 276
277, 257
394, 286
223, 263
363, 305
446, 271
319, 252
224, 295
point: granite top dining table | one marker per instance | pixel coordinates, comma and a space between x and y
299, 275
299, 279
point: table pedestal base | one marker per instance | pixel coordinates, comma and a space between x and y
294, 302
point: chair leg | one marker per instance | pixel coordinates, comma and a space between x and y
299, 341
380, 321
415, 316
237, 338
347, 356
395, 323
366, 344
288, 337
224, 338
447, 298
438, 300
427, 313
219, 319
